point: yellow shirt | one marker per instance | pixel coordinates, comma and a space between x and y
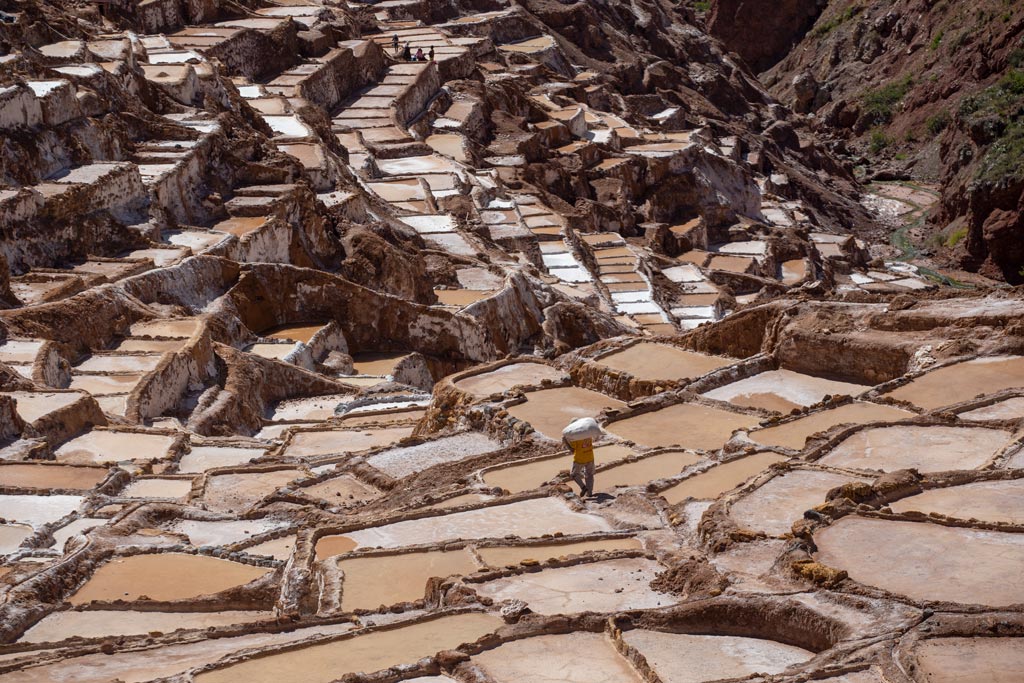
583, 451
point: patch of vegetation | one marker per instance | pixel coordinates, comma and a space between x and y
879, 103
837, 21
936, 40
956, 237
1003, 101
879, 141
1016, 58
938, 123
702, 5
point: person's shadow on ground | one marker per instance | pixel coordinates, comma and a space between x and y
601, 497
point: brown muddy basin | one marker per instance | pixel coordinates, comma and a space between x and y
929, 449
606, 586
100, 385
926, 561
40, 476
782, 390
503, 556
712, 483
644, 470
100, 446
989, 501
688, 425
650, 361
376, 363
550, 410
504, 378
774, 506
390, 579
794, 434
330, 661
164, 576
526, 519
971, 660
565, 658
963, 381
684, 658
11, 536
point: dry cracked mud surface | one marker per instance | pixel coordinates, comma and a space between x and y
290, 326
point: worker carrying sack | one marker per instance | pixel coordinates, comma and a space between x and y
583, 428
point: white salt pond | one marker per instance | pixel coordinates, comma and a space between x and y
782, 500
158, 487
927, 561
103, 446
202, 458
223, 532
782, 390
526, 519
687, 425
794, 434
989, 501
928, 449
608, 586
1010, 409
504, 378
406, 460
549, 410
565, 658
36, 511
683, 658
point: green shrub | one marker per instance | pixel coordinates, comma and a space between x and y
837, 21
879, 141
938, 123
936, 40
702, 5
879, 103
956, 237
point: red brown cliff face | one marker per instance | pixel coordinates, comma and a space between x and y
762, 33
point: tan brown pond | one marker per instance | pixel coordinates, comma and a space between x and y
164, 576
99, 385
550, 410
376, 363
1010, 409
716, 481
102, 623
645, 470
989, 501
530, 475
504, 378
565, 658
298, 333
202, 458
651, 361
11, 536
683, 658
963, 381
688, 425
460, 297
33, 405
100, 446
774, 506
971, 660
926, 561
180, 327
782, 390
390, 579
794, 434
929, 449
368, 653
503, 556
51, 476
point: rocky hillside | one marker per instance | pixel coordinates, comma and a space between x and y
917, 90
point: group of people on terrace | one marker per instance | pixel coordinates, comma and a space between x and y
407, 54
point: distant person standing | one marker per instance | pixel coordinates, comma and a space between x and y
430, 55
407, 53
583, 465
394, 43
